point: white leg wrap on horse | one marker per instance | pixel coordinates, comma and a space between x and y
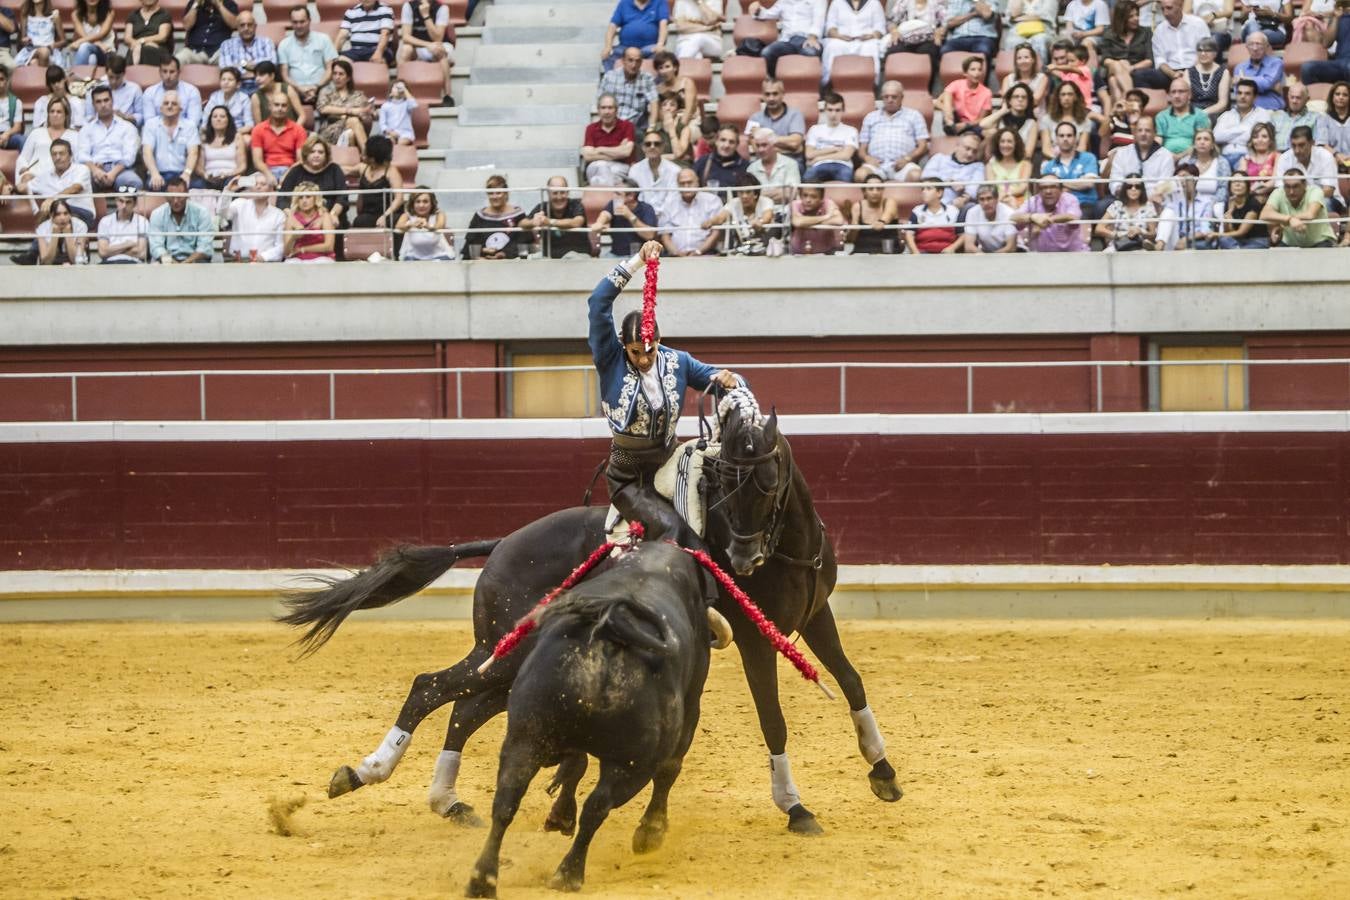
871, 744
442, 795
785, 794
379, 765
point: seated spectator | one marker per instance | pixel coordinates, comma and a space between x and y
873, 217
1049, 220
679, 133
58, 88
497, 246
1032, 24
1213, 169
1268, 18
64, 179
189, 98
343, 115
817, 223
989, 226
1120, 126
61, 237
961, 169
1242, 228
499, 217
1145, 158
1337, 66
368, 33
310, 230
831, 145
1009, 169
777, 173
697, 25
304, 59
655, 175
853, 28
1131, 222
1333, 126
276, 141
222, 158
801, 28
1316, 163
559, 222
181, 231
426, 35
1258, 165
124, 234
1027, 70
315, 166
1295, 210
94, 38
8, 39
627, 220
1314, 22
893, 139
1264, 69
260, 104
244, 50
1218, 15
1125, 48
745, 220
237, 103
1076, 169
127, 98
255, 224
1188, 216
381, 185
722, 165
686, 220
148, 36
634, 89
43, 35
933, 222
1016, 113
1175, 37
207, 24
1211, 83
396, 115
1086, 21
787, 124
966, 101
637, 24
670, 83
36, 150
1294, 114
423, 228
971, 26
608, 145
169, 145
11, 115
1072, 67
914, 26
1178, 124
108, 146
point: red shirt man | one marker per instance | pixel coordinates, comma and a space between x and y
276, 143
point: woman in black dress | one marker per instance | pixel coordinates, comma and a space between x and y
500, 215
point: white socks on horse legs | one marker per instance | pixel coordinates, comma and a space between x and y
442, 795
871, 744
785, 794
379, 765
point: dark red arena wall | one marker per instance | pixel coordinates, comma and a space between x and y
1172, 498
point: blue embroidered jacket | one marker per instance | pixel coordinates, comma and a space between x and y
622, 400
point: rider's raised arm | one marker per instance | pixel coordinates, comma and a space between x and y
606, 349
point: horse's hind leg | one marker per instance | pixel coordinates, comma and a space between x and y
822, 636
563, 816
617, 785
467, 716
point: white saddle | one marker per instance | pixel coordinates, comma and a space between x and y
680, 481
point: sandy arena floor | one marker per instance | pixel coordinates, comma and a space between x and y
1110, 758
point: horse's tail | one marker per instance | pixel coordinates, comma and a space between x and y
617, 620
400, 573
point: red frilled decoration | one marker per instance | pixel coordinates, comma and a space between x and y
648, 332
756, 615
528, 622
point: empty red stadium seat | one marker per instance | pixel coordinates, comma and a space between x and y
1295, 55
851, 74
913, 70
203, 77
808, 104
371, 79
1319, 91
906, 196
279, 11
799, 74
921, 103
176, 9
275, 31
345, 156
1003, 65
8, 160
1157, 101
700, 70
143, 76
736, 109
942, 143
333, 10
405, 160
743, 75
16, 215
949, 66
844, 195
593, 202
459, 13
423, 80
1237, 54
749, 27
329, 28
359, 243
857, 106
28, 83
82, 73
122, 10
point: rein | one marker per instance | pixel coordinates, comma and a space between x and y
777, 516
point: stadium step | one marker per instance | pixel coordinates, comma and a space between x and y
538, 95
561, 160
534, 75
543, 56
552, 34
525, 115
549, 14
512, 137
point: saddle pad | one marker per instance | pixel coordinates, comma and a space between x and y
679, 481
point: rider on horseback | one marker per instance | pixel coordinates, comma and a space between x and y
642, 388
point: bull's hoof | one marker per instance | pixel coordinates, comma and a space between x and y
462, 814
566, 880
882, 780
649, 836
344, 781
802, 821
481, 886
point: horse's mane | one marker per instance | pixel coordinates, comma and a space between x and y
737, 409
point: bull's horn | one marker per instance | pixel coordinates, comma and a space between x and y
721, 629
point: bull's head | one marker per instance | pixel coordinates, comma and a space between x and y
749, 478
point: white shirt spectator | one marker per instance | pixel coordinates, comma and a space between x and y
1321, 167
255, 231
126, 100
698, 43
822, 137
991, 236
1087, 16
189, 102
78, 112
115, 231
804, 17
667, 172
49, 183
98, 144
684, 221
77, 229
241, 110
1156, 170
1175, 45
1232, 130
396, 118
888, 137
441, 19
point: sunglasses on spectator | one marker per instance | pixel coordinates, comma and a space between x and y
651, 143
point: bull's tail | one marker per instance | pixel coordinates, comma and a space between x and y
400, 573
617, 620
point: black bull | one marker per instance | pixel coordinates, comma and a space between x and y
762, 524
617, 671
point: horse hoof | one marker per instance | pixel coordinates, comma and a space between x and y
648, 838
802, 821
481, 886
555, 822
882, 780
566, 882
462, 813
344, 781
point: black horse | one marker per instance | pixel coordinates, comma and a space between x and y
617, 672
761, 523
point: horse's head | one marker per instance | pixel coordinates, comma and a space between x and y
752, 475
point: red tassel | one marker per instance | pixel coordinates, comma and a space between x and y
648, 332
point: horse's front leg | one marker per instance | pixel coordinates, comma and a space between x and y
757, 657
822, 636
